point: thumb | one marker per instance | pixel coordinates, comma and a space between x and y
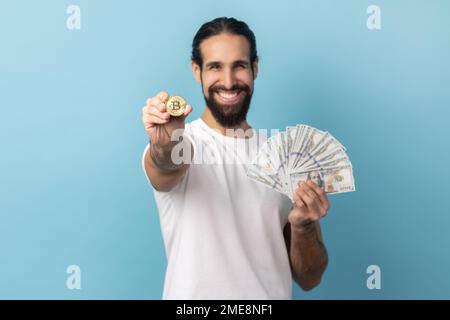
187, 111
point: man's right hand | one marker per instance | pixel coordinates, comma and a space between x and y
158, 123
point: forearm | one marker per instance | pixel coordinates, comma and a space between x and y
308, 256
162, 157
163, 172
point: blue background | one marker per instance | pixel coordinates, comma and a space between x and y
71, 185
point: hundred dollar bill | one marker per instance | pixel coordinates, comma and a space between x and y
334, 158
270, 180
326, 147
336, 180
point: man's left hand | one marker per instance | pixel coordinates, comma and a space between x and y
310, 205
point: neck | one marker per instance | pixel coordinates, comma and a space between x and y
209, 119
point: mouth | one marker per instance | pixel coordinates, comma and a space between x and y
229, 96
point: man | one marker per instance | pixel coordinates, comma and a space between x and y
227, 237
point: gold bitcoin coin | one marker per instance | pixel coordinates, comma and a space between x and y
176, 106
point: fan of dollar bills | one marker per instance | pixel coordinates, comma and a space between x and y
302, 153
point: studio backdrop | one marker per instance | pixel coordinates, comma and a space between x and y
77, 217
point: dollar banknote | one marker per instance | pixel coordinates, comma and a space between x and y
302, 153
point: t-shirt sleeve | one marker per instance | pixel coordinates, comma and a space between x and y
143, 164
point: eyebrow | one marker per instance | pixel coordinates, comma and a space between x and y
212, 63
245, 62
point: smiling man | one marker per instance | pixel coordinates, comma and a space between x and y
227, 237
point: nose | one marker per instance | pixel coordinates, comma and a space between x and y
228, 78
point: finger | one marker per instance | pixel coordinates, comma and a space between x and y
298, 202
147, 123
158, 120
188, 110
163, 96
320, 193
309, 198
152, 101
312, 193
152, 109
161, 106
155, 102
155, 112
309, 190
151, 120
321, 209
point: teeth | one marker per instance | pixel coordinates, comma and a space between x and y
228, 95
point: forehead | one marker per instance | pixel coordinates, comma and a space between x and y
225, 48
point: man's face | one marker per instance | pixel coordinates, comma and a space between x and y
226, 77
315, 177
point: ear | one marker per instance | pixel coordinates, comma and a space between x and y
255, 68
196, 71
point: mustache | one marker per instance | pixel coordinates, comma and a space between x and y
240, 87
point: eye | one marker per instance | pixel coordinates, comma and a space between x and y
214, 67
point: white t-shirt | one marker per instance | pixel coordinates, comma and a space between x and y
223, 233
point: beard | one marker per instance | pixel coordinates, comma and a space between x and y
229, 115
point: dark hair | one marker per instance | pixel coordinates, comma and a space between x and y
218, 26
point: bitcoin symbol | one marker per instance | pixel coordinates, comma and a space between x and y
176, 106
